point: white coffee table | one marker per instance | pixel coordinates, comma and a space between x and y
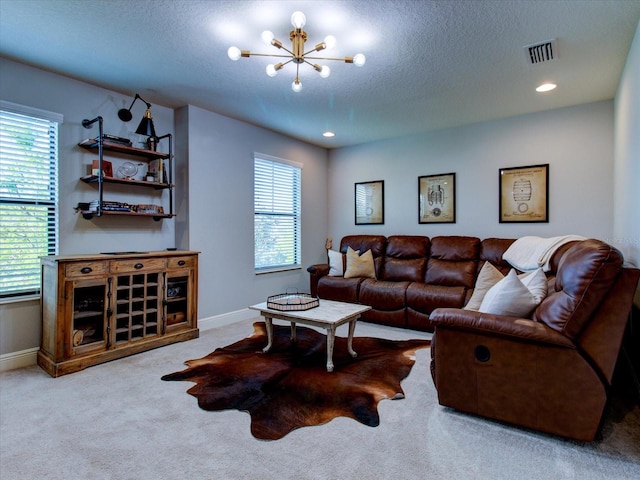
328, 315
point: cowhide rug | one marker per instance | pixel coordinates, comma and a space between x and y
289, 387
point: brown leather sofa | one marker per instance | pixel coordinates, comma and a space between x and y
414, 275
550, 372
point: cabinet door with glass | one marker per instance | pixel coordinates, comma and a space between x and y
180, 281
89, 327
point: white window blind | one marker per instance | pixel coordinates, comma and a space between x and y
28, 196
276, 213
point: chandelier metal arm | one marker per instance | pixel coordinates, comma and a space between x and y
342, 59
268, 55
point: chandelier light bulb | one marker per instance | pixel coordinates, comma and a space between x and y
325, 71
330, 41
234, 53
296, 85
267, 37
271, 70
359, 60
298, 20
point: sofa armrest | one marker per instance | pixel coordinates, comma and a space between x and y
319, 269
497, 325
316, 271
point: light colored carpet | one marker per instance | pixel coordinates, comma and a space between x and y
120, 421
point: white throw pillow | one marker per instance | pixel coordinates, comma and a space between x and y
515, 297
336, 268
487, 278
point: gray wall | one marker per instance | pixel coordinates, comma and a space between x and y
627, 159
20, 322
220, 202
576, 142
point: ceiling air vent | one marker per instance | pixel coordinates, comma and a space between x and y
541, 52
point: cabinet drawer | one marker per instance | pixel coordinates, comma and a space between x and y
84, 269
180, 262
138, 265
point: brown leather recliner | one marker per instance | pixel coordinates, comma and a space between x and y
552, 372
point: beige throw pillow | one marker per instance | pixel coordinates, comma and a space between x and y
336, 269
487, 278
359, 265
515, 297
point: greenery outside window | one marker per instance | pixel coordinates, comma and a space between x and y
277, 209
28, 196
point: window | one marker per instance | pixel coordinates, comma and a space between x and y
28, 196
276, 206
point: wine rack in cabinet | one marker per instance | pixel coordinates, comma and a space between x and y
96, 308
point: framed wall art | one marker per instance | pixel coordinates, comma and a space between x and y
437, 198
524, 194
369, 203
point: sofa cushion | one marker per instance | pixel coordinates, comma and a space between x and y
383, 295
453, 261
514, 296
359, 265
405, 258
487, 278
362, 243
336, 263
425, 298
492, 249
339, 288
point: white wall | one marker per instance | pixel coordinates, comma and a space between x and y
220, 204
576, 142
626, 203
20, 322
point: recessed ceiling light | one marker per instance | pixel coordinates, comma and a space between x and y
328, 134
546, 87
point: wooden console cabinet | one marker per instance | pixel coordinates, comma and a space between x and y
96, 308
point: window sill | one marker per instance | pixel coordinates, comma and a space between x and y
276, 270
23, 298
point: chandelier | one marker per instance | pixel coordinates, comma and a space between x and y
297, 54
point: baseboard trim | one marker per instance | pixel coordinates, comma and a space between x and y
226, 319
28, 357
23, 358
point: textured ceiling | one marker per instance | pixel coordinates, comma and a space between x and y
430, 64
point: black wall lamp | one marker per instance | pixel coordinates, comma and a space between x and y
146, 124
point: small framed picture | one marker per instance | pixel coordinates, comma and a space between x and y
369, 203
524, 194
437, 198
107, 168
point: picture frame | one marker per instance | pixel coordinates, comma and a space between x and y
524, 194
107, 168
369, 203
437, 198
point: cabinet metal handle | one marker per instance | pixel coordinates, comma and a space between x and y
181, 262
138, 266
86, 270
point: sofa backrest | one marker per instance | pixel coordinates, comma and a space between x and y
405, 258
585, 274
362, 243
453, 261
491, 250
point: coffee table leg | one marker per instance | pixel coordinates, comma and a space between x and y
293, 332
331, 336
352, 328
268, 322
